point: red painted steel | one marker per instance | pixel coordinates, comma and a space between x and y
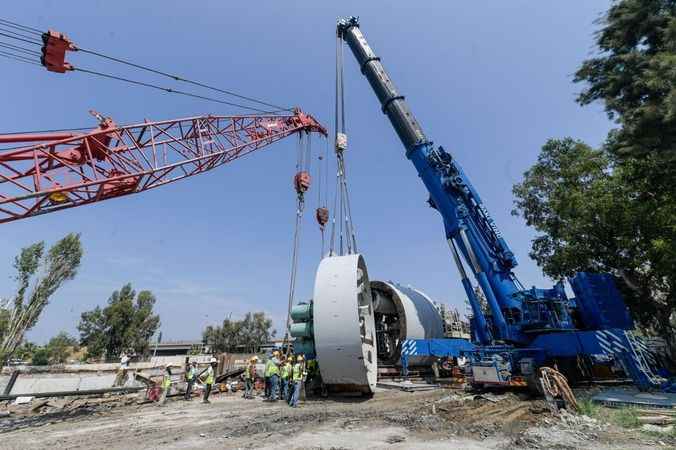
301, 182
54, 49
112, 161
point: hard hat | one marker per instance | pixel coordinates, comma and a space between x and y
213, 360
299, 358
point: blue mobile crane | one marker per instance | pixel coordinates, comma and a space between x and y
587, 337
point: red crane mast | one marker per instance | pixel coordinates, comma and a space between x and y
60, 170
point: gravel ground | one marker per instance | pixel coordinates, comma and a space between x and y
388, 420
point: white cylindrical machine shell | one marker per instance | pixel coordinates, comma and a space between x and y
344, 329
418, 317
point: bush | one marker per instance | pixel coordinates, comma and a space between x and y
40, 357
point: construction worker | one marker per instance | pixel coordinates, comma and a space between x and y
285, 375
249, 377
272, 371
190, 375
297, 377
121, 376
166, 384
266, 376
290, 363
208, 379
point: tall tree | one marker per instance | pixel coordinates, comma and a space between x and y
635, 77
588, 219
127, 322
60, 347
45, 273
246, 334
614, 209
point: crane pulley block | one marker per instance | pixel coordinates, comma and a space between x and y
322, 215
302, 182
54, 48
341, 142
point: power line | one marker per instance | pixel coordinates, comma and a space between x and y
20, 39
9, 23
18, 58
178, 78
50, 131
174, 91
24, 38
17, 34
19, 49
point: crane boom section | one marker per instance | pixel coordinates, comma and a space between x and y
58, 171
466, 219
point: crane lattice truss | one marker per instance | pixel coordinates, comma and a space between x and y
55, 171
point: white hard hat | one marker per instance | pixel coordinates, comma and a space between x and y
213, 360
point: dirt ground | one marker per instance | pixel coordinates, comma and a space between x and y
389, 420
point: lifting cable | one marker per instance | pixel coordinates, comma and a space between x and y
342, 213
26, 34
322, 212
301, 182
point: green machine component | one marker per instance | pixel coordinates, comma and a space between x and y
302, 329
302, 312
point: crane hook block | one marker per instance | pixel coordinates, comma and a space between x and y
341, 142
302, 182
322, 216
54, 49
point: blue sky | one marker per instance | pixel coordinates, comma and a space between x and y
489, 80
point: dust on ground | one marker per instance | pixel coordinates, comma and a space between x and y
389, 420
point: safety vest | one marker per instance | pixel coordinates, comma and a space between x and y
286, 371
191, 373
297, 372
166, 381
248, 373
271, 368
210, 376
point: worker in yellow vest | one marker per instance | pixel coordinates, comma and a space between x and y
272, 371
298, 375
267, 375
190, 376
208, 378
166, 384
285, 376
249, 377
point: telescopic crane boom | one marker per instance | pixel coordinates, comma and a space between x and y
524, 328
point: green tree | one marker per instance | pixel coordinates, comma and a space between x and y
635, 77
40, 357
247, 334
25, 351
589, 218
60, 347
45, 273
614, 209
127, 322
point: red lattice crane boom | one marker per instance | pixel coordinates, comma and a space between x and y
62, 170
